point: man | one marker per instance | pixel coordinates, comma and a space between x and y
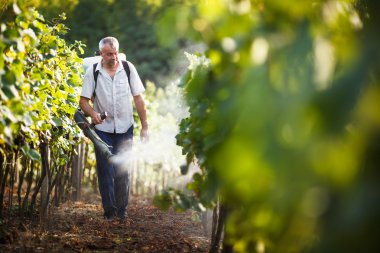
112, 92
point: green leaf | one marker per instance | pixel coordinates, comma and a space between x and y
25, 149
34, 155
163, 201
9, 78
2, 47
56, 122
11, 33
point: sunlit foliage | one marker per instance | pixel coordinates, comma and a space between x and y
39, 89
40, 80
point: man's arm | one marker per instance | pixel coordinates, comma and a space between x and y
84, 104
141, 111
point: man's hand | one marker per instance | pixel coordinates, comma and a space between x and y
140, 107
144, 135
89, 111
96, 119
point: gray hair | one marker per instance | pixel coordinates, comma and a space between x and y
111, 41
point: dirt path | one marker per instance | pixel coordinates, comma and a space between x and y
79, 227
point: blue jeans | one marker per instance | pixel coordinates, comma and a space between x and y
113, 180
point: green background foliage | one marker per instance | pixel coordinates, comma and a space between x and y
132, 22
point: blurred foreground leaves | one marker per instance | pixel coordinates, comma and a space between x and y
284, 123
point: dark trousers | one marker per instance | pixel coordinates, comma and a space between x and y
113, 180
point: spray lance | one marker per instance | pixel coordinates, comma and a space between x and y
89, 131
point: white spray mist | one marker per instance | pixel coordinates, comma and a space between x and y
160, 154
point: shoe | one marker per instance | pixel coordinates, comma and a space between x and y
122, 216
109, 216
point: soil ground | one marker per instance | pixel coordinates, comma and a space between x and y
80, 227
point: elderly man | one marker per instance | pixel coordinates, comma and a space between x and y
111, 84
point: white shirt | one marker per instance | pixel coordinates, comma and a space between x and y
113, 96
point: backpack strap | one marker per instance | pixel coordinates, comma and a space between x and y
127, 71
96, 73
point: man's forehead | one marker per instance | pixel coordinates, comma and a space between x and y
109, 48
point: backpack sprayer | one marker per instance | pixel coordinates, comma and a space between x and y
89, 131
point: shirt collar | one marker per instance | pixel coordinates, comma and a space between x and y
99, 66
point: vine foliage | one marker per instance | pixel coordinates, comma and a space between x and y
282, 125
40, 78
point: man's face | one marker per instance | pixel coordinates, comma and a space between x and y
109, 55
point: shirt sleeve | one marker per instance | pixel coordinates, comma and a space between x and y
88, 83
137, 86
